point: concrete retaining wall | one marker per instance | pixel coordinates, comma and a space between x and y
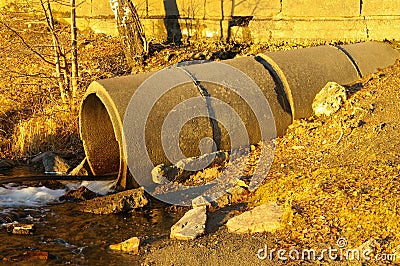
250, 20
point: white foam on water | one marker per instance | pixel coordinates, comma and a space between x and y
12, 195
99, 187
28, 196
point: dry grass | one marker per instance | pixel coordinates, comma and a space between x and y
33, 118
44, 131
342, 189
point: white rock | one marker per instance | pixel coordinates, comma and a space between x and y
264, 218
329, 99
191, 225
157, 175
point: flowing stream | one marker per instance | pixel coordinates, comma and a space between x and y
70, 236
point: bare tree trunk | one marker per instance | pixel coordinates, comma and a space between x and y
130, 31
74, 60
57, 51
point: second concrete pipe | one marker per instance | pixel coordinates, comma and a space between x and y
287, 80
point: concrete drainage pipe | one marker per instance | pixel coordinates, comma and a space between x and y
287, 81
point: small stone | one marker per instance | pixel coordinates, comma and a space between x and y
329, 99
27, 256
224, 200
52, 163
237, 193
169, 57
191, 225
81, 194
200, 201
298, 147
21, 229
183, 169
396, 253
6, 164
264, 218
158, 175
38, 255
55, 164
131, 246
199, 56
368, 248
116, 203
233, 195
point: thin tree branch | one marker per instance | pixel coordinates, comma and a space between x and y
26, 44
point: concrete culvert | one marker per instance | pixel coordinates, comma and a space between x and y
304, 72
370, 56
100, 123
119, 113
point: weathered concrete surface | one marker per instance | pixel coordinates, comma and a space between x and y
304, 72
259, 9
263, 218
130, 245
276, 97
380, 7
105, 153
308, 29
191, 225
370, 56
120, 202
317, 8
187, 9
383, 27
281, 20
217, 9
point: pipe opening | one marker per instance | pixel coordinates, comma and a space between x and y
97, 132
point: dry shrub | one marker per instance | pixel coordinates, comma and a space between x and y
52, 130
